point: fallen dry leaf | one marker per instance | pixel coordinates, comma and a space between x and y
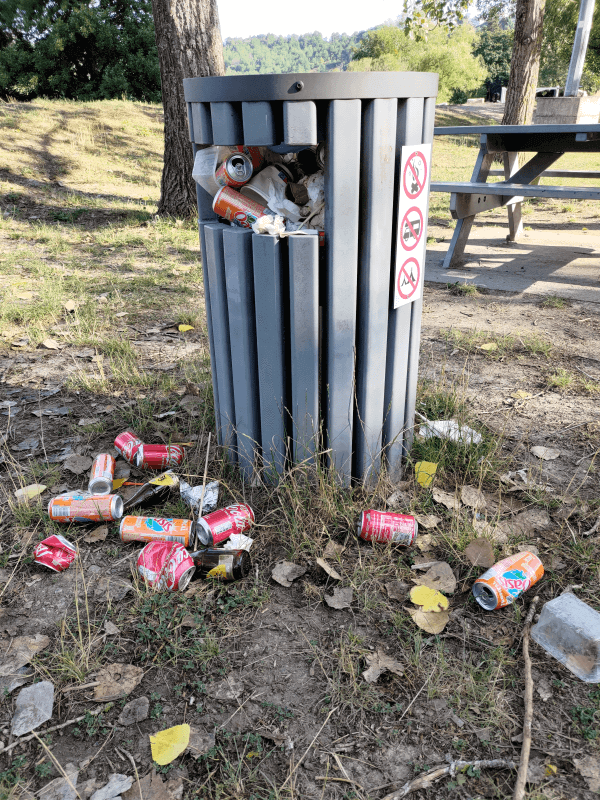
150, 788
111, 589
488, 346
184, 328
116, 681
378, 663
439, 577
498, 532
329, 569
110, 628
472, 497
168, 744
78, 464
427, 520
20, 651
429, 599
397, 498
97, 535
425, 542
285, 572
333, 549
396, 590
589, 767
449, 500
480, 553
429, 621
545, 453
49, 344
30, 492
341, 598
521, 394
425, 472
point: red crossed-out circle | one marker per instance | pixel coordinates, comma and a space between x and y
411, 173
412, 284
408, 226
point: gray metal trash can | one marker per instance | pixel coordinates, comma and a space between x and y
308, 352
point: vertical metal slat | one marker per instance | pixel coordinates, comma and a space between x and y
259, 123
304, 344
227, 123
237, 248
202, 123
300, 123
270, 307
377, 201
342, 179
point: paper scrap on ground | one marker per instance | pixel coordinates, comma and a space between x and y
545, 453
380, 662
429, 599
450, 429
425, 472
238, 541
168, 744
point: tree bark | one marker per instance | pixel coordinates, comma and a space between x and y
525, 63
188, 38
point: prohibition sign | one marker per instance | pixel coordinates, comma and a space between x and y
407, 282
411, 229
415, 174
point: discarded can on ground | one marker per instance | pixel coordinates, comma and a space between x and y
84, 507
218, 526
156, 491
236, 208
102, 474
55, 552
505, 581
235, 171
157, 529
226, 565
127, 443
253, 154
385, 526
166, 565
159, 456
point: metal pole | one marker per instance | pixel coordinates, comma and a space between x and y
582, 35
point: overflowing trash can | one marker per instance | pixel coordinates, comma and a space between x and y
312, 207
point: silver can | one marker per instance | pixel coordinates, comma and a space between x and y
235, 171
102, 474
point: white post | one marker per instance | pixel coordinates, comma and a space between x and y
582, 35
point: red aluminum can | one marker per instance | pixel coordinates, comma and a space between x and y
252, 152
234, 207
384, 526
219, 525
102, 474
127, 443
166, 565
55, 552
235, 171
157, 529
158, 456
84, 507
505, 581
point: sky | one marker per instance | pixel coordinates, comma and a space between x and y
282, 17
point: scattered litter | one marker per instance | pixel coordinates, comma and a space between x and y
20, 652
155, 491
286, 572
396, 590
378, 663
488, 347
429, 599
386, 526
168, 744
521, 479
134, 711
270, 224
429, 621
192, 495
425, 473
50, 344
200, 742
33, 707
480, 553
341, 598
85, 507
451, 502
115, 786
218, 526
472, 497
158, 529
166, 566
428, 520
222, 564
78, 464
439, 577
62, 788
333, 549
70, 306
55, 552
545, 453
97, 535
228, 689
449, 429
116, 681
30, 492
506, 580
589, 768
329, 569
88, 421
238, 541
185, 328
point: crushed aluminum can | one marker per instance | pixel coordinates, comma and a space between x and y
157, 529
236, 208
102, 474
505, 581
225, 565
85, 507
55, 552
385, 526
235, 171
218, 526
127, 443
193, 494
158, 456
166, 565
156, 491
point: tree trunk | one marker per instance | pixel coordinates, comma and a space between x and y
188, 38
525, 63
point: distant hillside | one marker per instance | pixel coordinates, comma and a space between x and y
305, 53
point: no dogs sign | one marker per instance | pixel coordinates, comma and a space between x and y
412, 223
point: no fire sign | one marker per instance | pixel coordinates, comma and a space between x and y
412, 223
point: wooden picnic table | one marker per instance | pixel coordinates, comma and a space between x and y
547, 142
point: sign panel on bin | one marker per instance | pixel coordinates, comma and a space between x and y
412, 223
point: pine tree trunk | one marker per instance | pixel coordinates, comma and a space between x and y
188, 38
525, 63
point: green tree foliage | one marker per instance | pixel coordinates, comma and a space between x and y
560, 23
308, 52
450, 54
494, 46
78, 49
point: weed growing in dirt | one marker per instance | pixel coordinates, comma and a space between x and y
552, 301
462, 289
505, 344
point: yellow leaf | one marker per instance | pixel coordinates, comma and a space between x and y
253, 754
489, 346
184, 328
168, 744
429, 599
117, 483
521, 394
29, 492
551, 770
425, 472
430, 621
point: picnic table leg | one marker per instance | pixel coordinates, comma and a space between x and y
515, 223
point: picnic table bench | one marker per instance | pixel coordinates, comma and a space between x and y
548, 142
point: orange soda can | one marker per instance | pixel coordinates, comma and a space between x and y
102, 474
85, 507
236, 208
505, 581
157, 529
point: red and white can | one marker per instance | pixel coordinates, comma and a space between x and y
127, 443
102, 474
157, 529
252, 152
235, 171
55, 552
219, 525
166, 565
84, 507
384, 526
158, 456
505, 581
234, 207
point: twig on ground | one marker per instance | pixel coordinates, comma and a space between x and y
50, 730
526, 746
135, 769
57, 764
425, 781
593, 529
284, 784
345, 774
204, 479
413, 700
